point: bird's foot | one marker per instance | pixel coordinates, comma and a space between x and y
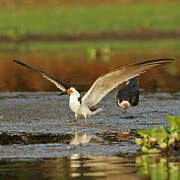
73, 120
123, 111
85, 122
134, 111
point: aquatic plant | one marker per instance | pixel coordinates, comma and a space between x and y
158, 139
96, 52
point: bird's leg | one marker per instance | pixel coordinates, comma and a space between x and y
75, 119
134, 111
121, 110
85, 122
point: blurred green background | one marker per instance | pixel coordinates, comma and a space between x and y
77, 40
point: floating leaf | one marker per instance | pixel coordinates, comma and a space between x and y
161, 135
150, 150
154, 150
152, 140
145, 149
139, 141
163, 145
147, 144
144, 132
171, 141
174, 122
176, 134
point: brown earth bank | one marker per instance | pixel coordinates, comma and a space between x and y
140, 34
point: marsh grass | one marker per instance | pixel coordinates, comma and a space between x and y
21, 21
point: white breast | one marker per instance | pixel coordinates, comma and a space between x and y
74, 104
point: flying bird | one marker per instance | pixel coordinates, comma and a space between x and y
128, 95
85, 106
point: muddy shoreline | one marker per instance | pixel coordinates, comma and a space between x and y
37, 139
140, 34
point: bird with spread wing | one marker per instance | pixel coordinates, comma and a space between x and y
85, 106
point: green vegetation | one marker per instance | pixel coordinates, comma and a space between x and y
158, 139
20, 21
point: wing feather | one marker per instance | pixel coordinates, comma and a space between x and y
60, 85
105, 83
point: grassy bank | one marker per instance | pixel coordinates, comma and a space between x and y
84, 19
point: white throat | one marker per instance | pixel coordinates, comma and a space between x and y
74, 104
124, 104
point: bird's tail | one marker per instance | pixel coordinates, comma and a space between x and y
132, 83
96, 110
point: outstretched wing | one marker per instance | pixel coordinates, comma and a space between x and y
55, 81
104, 84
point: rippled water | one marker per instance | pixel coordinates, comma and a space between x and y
38, 140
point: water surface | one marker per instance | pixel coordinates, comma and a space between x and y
38, 140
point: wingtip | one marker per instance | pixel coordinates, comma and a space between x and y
154, 61
165, 60
19, 62
168, 59
16, 61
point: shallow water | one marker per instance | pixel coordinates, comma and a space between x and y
38, 140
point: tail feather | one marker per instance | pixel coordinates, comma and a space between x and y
97, 110
133, 83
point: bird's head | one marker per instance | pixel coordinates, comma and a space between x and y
72, 91
69, 92
124, 104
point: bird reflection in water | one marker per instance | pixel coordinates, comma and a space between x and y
84, 164
84, 139
110, 167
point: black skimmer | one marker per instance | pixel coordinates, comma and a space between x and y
128, 95
84, 106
